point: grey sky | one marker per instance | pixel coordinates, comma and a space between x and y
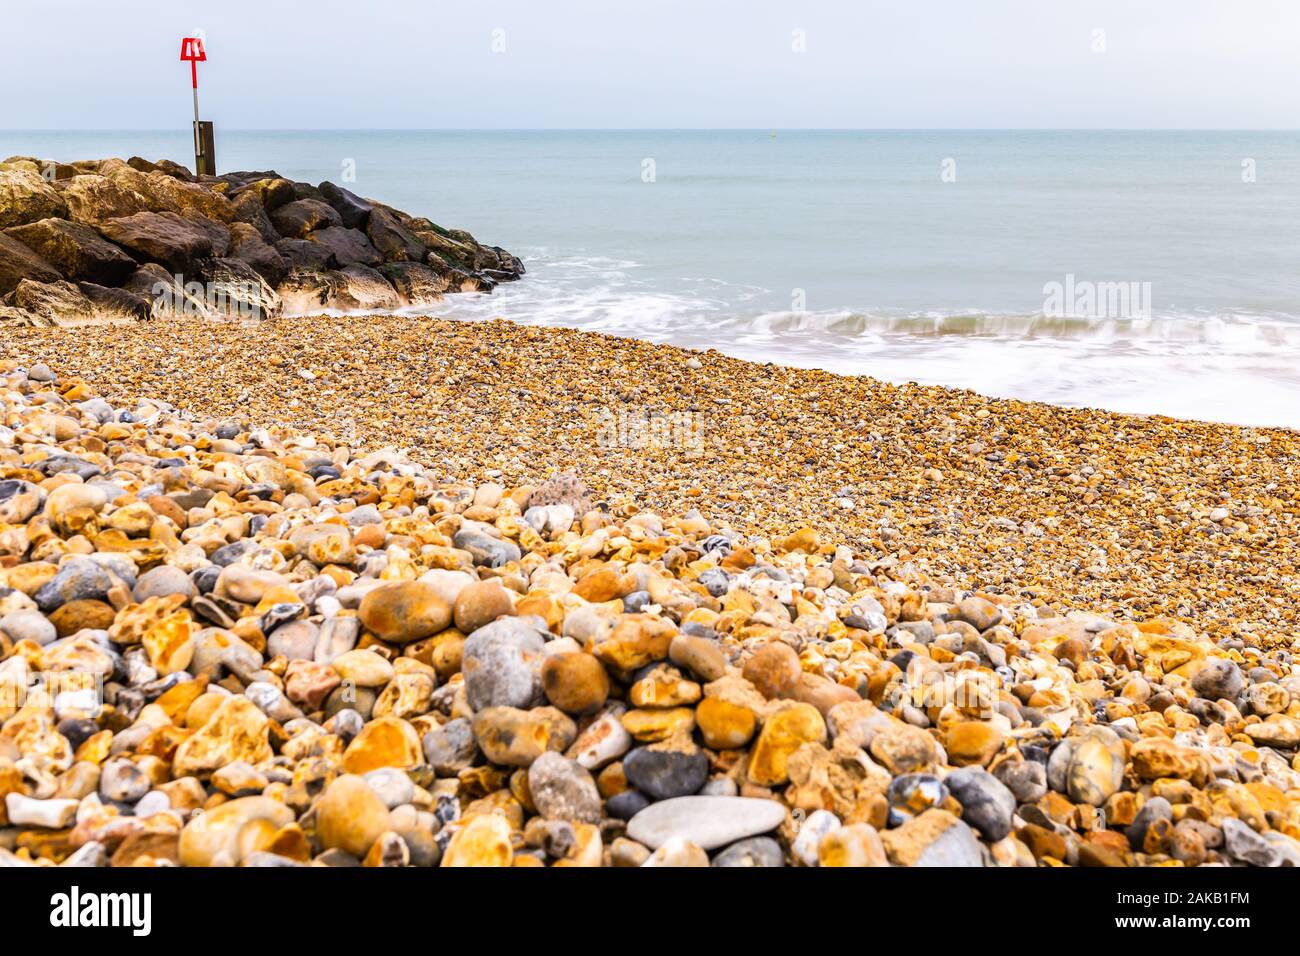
87, 64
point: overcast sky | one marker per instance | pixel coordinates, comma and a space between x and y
78, 64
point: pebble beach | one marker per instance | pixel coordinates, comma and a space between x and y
394, 591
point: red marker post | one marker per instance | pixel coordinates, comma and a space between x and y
205, 158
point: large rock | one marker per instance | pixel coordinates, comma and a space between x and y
270, 191
347, 246
417, 284
305, 292
175, 170
190, 199
354, 288
26, 197
449, 250
53, 303
115, 304
362, 288
248, 245
235, 289
92, 199
165, 193
352, 209
249, 210
302, 216
166, 296
167, 238
458, 277
19, 262
393, 240
302, 255
76, 250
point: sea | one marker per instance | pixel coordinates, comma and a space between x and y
1152, 272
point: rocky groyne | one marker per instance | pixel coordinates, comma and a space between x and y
125, 240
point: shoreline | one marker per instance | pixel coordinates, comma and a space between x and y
1141, 516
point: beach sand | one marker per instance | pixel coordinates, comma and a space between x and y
1132, 516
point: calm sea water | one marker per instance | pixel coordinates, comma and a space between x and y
910, 256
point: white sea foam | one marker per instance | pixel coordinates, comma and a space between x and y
1237, 367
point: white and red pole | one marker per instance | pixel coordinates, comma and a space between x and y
192, 52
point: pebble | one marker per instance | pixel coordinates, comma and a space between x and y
856, 845
812, 831
502, 665
28, 625
935, 838
482, 841
451, 748
562, 789
1246, 846
677, 852
514, 737
986, 804
404, 611
707, 821
783, 733
754, 852
972, 742
575, 682
350, 816
665, 771
163, 581
480, 603
1219, 679
51, 814
123, 782
348, 657
224, 835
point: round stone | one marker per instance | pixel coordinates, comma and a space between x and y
350, 816
502, 664
223, 835
972, 742
987, 805
708, 822
774, 669
383, 742
575, 682
723, 724
663, 771
28, 625
1219, 679
163, 581
754, 852
562, 789
404, 612
480, 604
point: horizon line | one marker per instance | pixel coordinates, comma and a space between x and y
671, 129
